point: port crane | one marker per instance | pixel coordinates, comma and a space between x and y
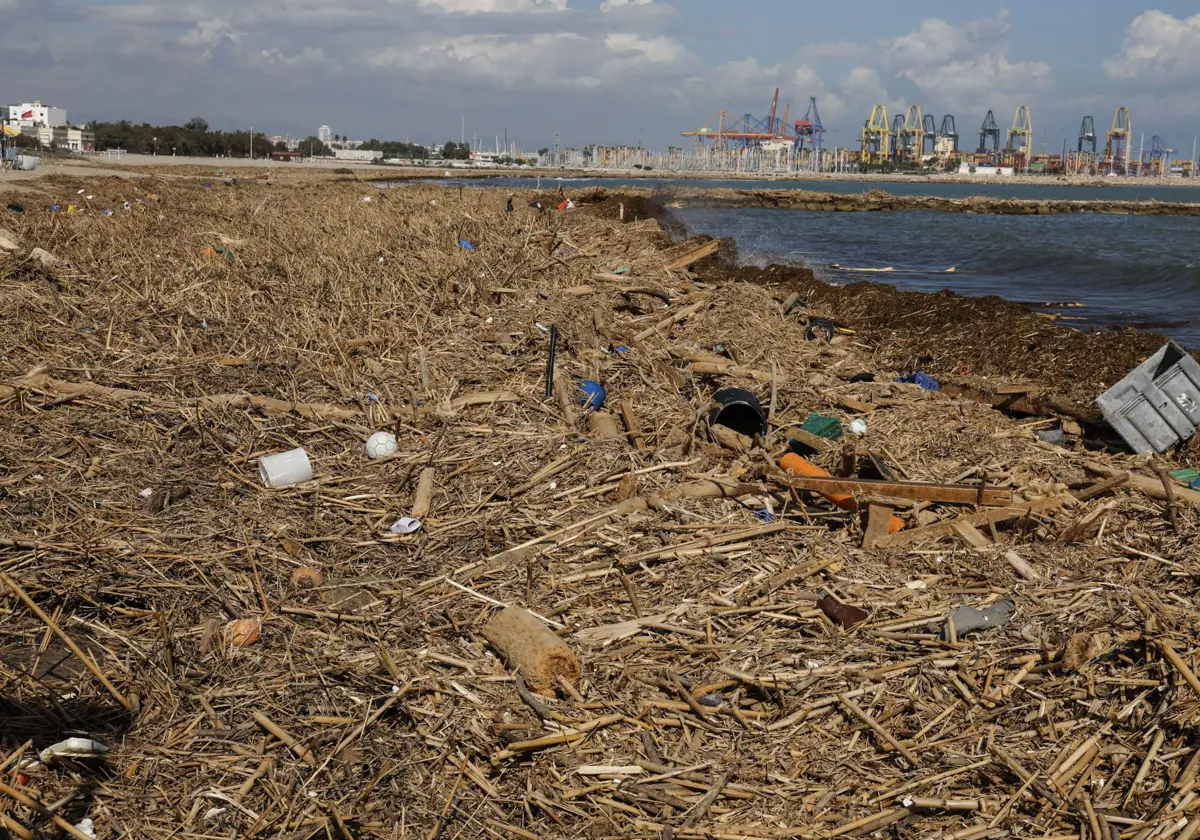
990, 131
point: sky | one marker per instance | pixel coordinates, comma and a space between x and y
603, 71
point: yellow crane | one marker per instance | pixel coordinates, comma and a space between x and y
1022, 128
912, 138
875, 136
1117, 142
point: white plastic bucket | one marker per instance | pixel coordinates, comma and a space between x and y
285, 468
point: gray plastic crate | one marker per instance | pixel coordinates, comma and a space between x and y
1158, 404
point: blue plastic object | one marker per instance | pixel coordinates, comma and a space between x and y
592, 394
919, 378
466, 245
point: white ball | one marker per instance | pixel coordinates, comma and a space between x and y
381, 445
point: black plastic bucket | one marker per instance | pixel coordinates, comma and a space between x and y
740, 410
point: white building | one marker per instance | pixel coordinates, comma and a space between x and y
68, 139
325, 134
358, 155
33, 115
943, 146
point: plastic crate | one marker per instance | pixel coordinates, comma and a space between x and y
829, 428
1158, 404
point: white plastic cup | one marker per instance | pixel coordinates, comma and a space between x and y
284, 469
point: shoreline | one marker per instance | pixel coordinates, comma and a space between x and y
150, 165
942, 328
875, 201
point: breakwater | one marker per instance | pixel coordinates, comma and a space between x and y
880, 201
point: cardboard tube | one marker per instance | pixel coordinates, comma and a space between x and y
792, 462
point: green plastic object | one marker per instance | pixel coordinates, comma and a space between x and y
829, 428
622, 270
1187, 476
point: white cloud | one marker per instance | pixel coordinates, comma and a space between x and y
309, 57
1158, 44
936, 41
609, 5
209, 34
549, 60
477, 6
658, 50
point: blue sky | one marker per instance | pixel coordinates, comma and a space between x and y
608, 71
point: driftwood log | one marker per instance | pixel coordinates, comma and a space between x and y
530, 647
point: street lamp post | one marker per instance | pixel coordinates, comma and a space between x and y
156, 147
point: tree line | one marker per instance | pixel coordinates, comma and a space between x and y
195, 138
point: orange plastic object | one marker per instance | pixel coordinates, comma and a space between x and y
243, 631
792, 462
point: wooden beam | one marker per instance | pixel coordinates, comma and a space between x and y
1100, 488
1151, 487
962, 494
945, 529
1024, 401
970, 535
808, 439
694, 256
731, 369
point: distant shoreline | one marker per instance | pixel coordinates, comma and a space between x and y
162, 164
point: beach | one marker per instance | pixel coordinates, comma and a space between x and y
766, 647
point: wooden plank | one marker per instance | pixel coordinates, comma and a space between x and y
1106, 486
878, 521
851, 404
631, 424
963, 494
808, 439
1024, 402
1020, 566
694, 256
971, 536
730, 369
945, 529
1151, 487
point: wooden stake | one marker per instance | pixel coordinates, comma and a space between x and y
423, 498
631, 424
1177, 661
1169, 492
701, 810
562, 392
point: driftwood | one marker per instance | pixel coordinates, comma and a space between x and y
529, 646
962, 494
945, 529
694, 256
1145, 485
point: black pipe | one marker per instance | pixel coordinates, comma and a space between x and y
550, 362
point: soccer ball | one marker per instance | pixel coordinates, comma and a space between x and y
381, 445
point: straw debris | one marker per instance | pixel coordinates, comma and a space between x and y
748, 668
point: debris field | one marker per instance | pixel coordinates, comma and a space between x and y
613, 620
